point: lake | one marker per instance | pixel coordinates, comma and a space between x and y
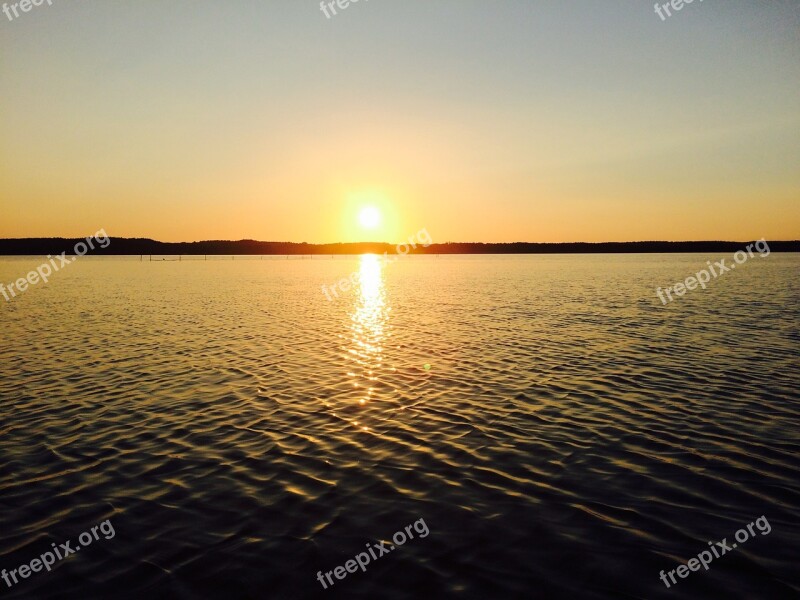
559, 431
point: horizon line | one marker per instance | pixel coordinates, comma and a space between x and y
145, 246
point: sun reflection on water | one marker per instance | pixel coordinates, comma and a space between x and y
369, 322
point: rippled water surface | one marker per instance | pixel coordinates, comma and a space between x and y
559, 431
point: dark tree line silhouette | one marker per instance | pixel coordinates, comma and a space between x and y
144, 246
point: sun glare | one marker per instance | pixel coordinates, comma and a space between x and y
369, 217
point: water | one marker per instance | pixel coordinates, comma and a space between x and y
560, 432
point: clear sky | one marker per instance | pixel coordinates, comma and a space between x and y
507, 120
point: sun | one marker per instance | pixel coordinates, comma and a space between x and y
369, 217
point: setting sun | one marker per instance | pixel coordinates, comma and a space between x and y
369, 217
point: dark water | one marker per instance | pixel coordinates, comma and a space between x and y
560, 433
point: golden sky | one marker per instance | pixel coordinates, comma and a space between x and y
479, 121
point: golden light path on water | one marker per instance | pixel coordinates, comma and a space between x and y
368, 327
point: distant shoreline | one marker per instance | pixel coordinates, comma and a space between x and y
141, 246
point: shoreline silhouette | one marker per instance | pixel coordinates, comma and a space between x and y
143, 246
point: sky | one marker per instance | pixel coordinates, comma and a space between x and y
512, 120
